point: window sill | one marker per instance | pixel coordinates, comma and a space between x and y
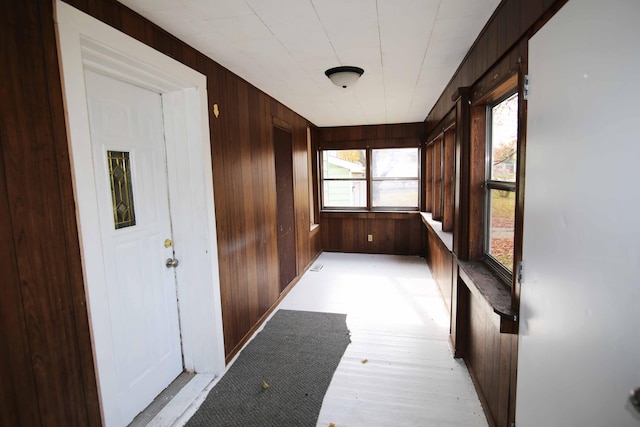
486, 285
446, 237
369, 214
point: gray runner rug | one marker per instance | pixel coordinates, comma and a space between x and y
281, 376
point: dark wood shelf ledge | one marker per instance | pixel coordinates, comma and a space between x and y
484, 284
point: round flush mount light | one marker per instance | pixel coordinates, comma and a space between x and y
344, 76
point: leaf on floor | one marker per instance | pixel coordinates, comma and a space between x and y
264, 385
332, 425
365, 361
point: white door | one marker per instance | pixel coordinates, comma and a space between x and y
127, 133
579, 348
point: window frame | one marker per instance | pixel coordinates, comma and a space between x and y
492, 184
437, 191
439, 184
324, 179
369, 179
312, 162
373, 179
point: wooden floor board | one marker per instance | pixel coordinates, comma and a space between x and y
399, 326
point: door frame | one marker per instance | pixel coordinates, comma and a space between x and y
86, 43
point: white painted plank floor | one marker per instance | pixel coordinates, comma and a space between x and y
399, 326
398, 369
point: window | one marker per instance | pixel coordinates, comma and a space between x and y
124, 214
500, 185
344, 179
394, 178
370, 178
439, 182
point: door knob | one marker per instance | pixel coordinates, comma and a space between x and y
171, 262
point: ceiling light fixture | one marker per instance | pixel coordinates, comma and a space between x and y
344, 76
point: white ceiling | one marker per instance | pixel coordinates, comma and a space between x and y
409, 49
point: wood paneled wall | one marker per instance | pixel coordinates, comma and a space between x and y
47, 369
393, 232
405, 134
46, 365
440, 261
513, 20
488, 355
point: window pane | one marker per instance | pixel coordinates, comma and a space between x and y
124, 214
395, 193
345, 194
504, 134
346, 164
502, 208
394, 163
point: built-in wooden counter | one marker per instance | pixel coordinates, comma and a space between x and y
439, 256
484, 284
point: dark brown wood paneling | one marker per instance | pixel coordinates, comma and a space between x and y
436, 206
445, 124
459, 328
244, 179
512, 20
43, 306
393, 233
428, 193
476, 182
462, 162
385, 135
447, 178
440, 262
488, 356
17, 387
482, 315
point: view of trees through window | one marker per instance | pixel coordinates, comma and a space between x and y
503, 205
501, 181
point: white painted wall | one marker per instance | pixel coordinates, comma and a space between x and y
579, 349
